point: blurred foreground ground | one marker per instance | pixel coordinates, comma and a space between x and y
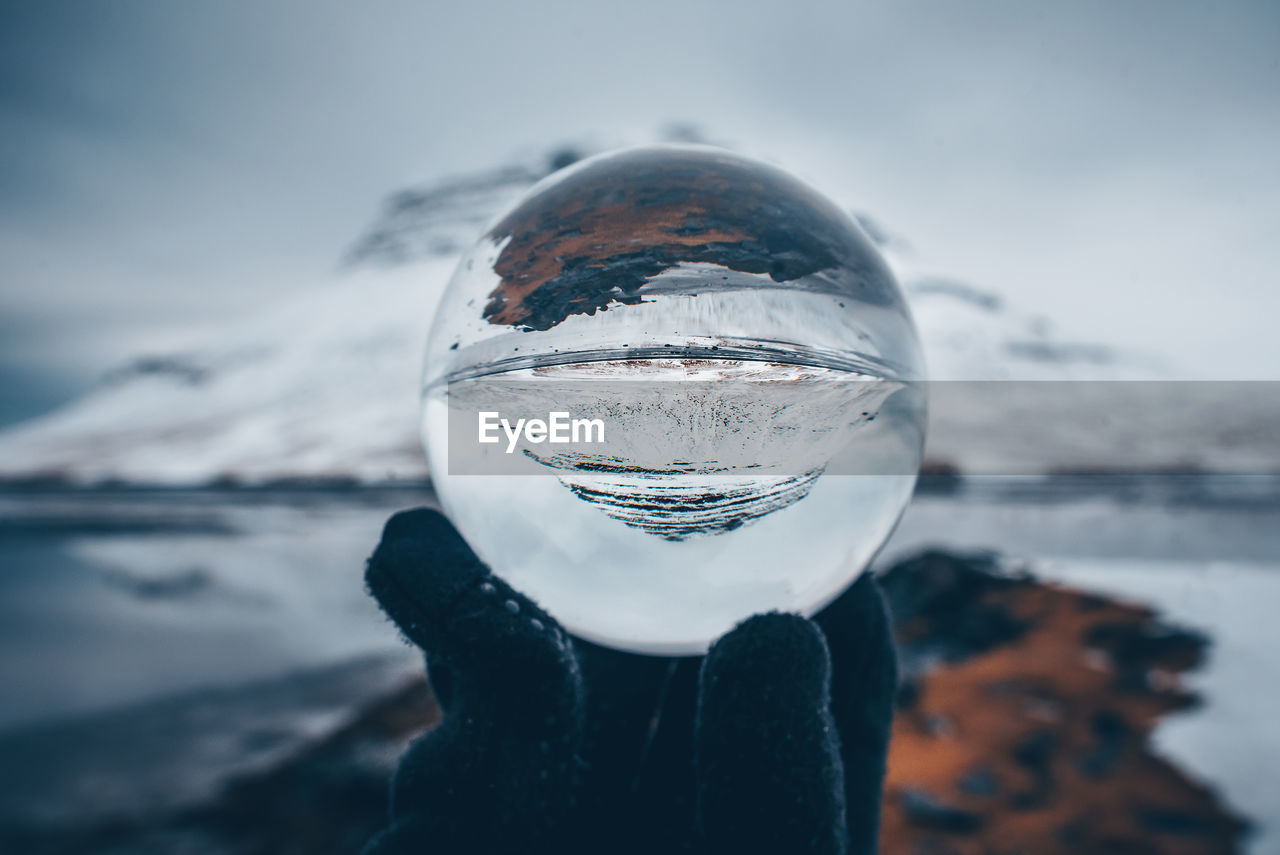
201, 672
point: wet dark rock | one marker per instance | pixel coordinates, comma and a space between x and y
1035, 755
1113, 735
980, 782
1135, 649
1164, 821
938, 599
927, 811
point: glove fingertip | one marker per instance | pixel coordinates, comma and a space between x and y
421, 524
782, 649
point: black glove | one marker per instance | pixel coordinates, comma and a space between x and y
775, 741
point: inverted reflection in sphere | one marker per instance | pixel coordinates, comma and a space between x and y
752, 366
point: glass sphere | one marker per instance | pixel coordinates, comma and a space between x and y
744, 348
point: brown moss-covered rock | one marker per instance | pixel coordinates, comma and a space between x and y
1025, 722
600, 233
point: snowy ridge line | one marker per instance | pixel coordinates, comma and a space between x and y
323, 388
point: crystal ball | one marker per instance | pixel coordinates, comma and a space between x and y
670, 388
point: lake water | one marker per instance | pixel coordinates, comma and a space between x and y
110, 598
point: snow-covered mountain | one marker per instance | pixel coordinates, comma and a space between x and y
323, 385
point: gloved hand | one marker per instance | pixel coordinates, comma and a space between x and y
775, 741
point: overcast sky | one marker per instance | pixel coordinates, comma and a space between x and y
1112, 164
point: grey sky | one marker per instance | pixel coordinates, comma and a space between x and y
1109, 163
